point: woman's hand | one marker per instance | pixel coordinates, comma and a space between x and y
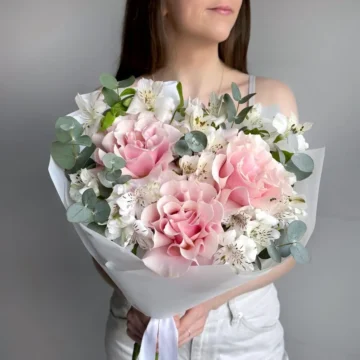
192, 323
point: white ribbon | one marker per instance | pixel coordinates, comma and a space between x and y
165, 330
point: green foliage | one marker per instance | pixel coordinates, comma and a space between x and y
181, 148
196, 140
64, 155
108, 81
302, 165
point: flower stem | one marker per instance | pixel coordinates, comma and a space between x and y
136, 351
134, 250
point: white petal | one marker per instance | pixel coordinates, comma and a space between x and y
280, 123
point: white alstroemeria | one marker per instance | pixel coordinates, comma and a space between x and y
157, 97
127, 204
204, 167
265, 218
237, 250
262, 233
219, 138
91, 108
81, 181
142, 235
188, 164
292, 132
119, 230
239, 219
216, 109
254, 119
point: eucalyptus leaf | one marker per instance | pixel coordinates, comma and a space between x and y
64, 154
264, 254
89, 199
112, 175
78, 213
196, 140
100, 229
242, 115
300, 253
123, 179
235, 92
102, 211
62, 135
102, 178
230, 107
181, 148
83, 160
105, 192
281, 241
112, 161
273, 252
296, 230
82, 140
258, 263
108, 81
285, 250
70, 125
302, 165
246, 98
127, 82
111, 97
107, 120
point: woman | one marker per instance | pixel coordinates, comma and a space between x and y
203, 44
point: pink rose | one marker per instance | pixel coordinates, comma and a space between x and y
186, 223
143, 142
247, 174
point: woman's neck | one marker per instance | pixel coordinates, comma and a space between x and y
196, 64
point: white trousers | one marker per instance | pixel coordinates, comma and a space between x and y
245, 328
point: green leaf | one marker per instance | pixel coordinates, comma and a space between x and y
127, 82
296, 230
246, 98
67, 124
108, 81
82, 160
112, 161
112, 175
281, 156
279, 138
288, 155
111, 97
89, 199
258, 262
302, 165
230, 107
300, 253
82, 140
283, 249
181, 148
107, 120
100, 229
64, 154
127, 101
235, 92
275, 155
273, 252
242, 115
123, 179
128, 91
102, 211
181, 96
118, 110
78, 213
196, 140
105, 192
264, 254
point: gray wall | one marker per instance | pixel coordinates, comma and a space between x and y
53, 304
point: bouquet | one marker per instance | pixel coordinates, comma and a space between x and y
166, 194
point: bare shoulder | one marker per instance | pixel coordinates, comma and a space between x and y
270, 91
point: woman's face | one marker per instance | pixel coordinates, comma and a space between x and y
207, 19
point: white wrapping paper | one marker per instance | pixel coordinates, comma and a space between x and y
160, 297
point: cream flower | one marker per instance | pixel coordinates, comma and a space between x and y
237, 250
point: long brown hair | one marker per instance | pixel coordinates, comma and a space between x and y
143, 40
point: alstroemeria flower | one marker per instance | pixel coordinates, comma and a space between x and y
160, 98
237, 250
186, 222
91, 108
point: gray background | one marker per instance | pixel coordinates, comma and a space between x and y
53, 303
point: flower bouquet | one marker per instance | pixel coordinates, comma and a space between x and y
166, 194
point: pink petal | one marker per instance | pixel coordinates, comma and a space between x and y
161, 239
108, 142
141, 166
149, 215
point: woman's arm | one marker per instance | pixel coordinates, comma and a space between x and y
103, 274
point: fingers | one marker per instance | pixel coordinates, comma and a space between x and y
134, 337
188, 320
193, 334
136, 324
